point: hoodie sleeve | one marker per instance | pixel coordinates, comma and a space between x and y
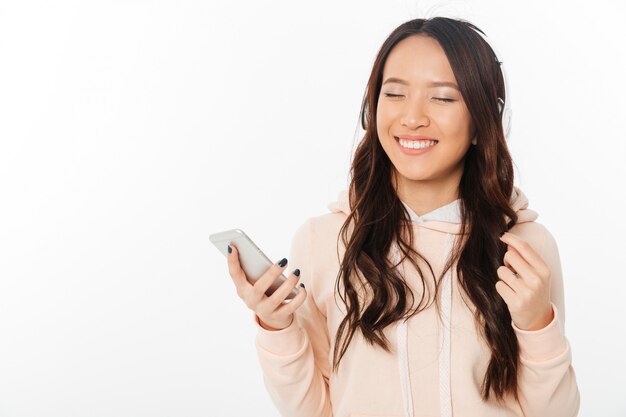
547, 381
294, 360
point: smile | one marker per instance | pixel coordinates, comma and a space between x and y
415, 147
417, 144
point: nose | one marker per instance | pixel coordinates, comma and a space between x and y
414, 115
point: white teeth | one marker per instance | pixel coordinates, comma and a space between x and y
416, 144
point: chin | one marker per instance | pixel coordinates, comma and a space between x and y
413, 175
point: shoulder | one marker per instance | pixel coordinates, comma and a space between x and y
318, 243
322, 229
541, 241
536, 234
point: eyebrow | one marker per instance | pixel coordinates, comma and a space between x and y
431, 84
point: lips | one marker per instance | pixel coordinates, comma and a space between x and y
414, 138
415, 147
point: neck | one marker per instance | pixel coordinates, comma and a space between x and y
426, 196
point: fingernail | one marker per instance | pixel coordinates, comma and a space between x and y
501, 234
302, 285
282, 262
230, 250
296, 272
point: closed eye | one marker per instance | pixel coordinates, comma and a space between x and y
446, 100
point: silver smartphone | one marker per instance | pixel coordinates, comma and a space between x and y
253, 261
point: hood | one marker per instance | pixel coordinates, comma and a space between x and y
519, 203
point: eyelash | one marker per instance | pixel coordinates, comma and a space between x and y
447, 100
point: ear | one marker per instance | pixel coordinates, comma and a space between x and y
475, 138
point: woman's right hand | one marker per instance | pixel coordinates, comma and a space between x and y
272, 315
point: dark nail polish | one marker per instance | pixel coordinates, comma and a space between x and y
296, 272
230, 250
302, 285
501, 234
282, 262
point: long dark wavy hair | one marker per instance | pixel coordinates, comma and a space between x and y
379, 218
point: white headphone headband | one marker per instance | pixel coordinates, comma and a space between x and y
506, 112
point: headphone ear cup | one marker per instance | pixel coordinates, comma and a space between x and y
505, 117
506, 122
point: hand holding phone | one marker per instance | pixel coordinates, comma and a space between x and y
259, 282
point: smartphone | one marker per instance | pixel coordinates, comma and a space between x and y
253, 261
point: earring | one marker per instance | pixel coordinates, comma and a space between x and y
474, 141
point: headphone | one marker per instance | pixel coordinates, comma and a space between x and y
504, 109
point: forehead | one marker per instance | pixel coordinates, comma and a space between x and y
418, 59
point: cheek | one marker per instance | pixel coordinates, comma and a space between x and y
384, 116
380, 121
379, 113
455, 124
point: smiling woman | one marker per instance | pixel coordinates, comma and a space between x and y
452, 292
421, 95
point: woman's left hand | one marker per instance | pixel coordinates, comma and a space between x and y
525, 284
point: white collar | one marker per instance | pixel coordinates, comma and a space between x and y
449, 213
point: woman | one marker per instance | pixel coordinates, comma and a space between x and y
438, 313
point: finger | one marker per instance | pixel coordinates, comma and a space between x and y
510, 279
507, 294
294, 304
507, 264
505, 260
283, 291
234, 269
525, 250
519, 264
261, 286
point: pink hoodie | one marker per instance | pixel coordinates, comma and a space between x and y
437, 364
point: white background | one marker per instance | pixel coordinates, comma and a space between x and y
131, 130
